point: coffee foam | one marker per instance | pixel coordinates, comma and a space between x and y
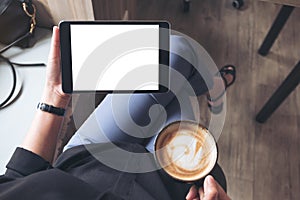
186, 151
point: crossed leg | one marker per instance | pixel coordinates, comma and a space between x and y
137, 118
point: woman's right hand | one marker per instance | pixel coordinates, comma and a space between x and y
211, 190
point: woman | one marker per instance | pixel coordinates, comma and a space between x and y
77, 174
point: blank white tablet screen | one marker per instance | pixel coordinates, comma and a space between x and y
115, 57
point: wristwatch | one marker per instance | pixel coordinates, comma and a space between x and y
51, 109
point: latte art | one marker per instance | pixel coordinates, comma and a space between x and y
186, 151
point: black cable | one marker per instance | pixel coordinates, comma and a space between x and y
11, 64
14, 81
29, 65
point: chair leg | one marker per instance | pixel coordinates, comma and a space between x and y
186, 5
288, 85
278, 24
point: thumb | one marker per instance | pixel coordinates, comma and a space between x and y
53, 67
210, 188
55, 47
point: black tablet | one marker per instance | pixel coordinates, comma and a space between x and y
114, 56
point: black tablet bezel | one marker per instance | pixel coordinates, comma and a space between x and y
66, 55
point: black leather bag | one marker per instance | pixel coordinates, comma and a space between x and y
17, 22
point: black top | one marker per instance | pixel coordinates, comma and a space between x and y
78, 175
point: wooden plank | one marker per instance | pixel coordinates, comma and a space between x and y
110, 9
69, 9
276, 141
261, 161
239, 188
295, 3
247, 149
276, 166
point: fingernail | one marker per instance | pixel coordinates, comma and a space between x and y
187, 196
210, 180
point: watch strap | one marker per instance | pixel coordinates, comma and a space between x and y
51, 109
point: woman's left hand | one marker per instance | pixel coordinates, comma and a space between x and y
53, 93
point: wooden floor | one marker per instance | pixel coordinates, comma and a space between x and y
261, 161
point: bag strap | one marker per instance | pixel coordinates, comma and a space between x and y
27, 5
15, 42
